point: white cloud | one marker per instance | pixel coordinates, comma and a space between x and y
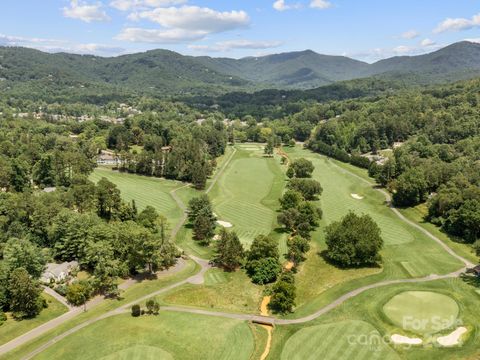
427, 42
280, 5
194, 18
402, 50
55, 45
475, 40
85, 12
320, 4
458, 24
125, 5
410, 34
180, 24
228, 45
160, 36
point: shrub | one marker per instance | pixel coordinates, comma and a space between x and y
136, 311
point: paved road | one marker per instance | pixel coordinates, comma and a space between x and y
199, 278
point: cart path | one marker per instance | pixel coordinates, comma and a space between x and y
198, 278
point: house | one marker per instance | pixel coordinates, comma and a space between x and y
107, 158
476, 270
58, 272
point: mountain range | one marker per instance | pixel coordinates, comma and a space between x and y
165, 72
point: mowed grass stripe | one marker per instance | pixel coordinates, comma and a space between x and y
246, 194
402, 241
145, 191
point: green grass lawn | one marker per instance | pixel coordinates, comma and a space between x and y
166, 336
12, 328
368, 309
335, 341
228, 291
407, 251
145, 191
247, 192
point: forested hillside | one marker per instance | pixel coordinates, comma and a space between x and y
162, 73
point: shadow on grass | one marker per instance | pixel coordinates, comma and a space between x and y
324, 255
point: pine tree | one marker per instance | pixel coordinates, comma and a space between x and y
230, 252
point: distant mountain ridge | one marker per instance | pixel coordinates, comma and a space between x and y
165, 72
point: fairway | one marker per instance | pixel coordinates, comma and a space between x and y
422, 312
246, 195
165, 336
144, 190
408, 252
342, 340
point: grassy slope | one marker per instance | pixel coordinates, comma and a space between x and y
11, 328
181, 335
407, 251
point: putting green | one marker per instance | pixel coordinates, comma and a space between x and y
140, 352
422, 312
342, 340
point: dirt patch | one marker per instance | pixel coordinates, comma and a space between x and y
225, 224
289, 265
356, 196
264, 312
400, 339
453, 338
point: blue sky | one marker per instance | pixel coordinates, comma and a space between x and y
364, 29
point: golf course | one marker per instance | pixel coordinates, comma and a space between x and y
340, 313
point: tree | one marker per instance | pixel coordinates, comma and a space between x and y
43, 172
21, 253
262, 260
79, 292
354, 241
230, 252
283, 294
199, 176
196, 204
148, 217
25, 300
268, 150
152, 306
263, 246
410, 188
297, 248
264, 270
309, 188
291, 199
301, 168
204, 226
108, 199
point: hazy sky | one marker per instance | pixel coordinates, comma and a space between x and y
364, 29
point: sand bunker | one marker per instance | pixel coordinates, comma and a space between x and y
225, 224
289, 265
216, 237
453, 338
399, 339
356, 196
